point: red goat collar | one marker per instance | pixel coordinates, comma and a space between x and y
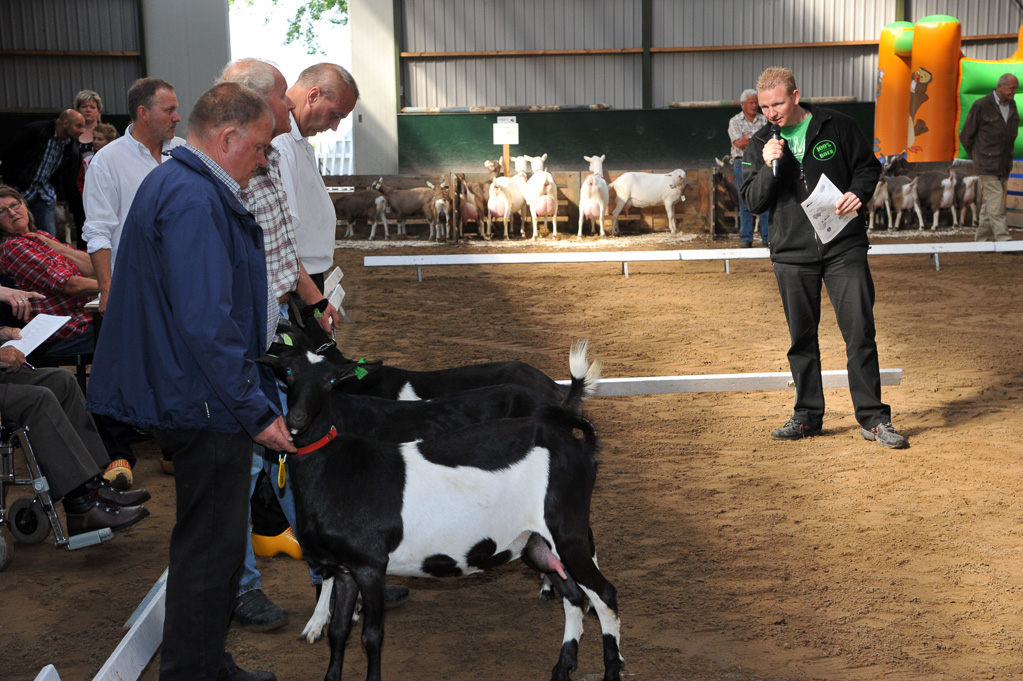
331, 434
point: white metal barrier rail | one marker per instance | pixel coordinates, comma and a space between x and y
625, 257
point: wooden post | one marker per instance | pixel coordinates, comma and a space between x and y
507, 161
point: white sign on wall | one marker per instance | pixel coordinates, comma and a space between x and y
506, 133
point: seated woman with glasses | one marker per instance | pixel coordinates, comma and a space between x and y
35, 261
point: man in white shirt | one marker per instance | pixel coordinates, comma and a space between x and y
115, 174
323, 95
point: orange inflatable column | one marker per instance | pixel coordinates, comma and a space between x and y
892, 91
934, 89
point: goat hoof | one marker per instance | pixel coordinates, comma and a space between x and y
547, 595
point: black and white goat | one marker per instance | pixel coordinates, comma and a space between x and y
458, 504
405, 384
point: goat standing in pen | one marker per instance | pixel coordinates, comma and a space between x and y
458, 504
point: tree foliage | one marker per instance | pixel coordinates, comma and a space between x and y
302, 26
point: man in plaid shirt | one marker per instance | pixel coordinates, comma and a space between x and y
265, 198
40, 154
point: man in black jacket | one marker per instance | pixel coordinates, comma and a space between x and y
988, 136
42, 162
782, 165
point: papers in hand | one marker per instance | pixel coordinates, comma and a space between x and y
37, 331
336, 294
820, 209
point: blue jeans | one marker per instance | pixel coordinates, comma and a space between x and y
250, 579
746, 217
42, 211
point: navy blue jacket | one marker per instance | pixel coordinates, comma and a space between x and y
188, 310
834, 146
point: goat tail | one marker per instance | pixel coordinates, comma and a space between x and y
564, 419
585, 376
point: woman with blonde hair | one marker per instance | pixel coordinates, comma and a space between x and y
90, 105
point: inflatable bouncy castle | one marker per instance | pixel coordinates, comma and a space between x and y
925, 88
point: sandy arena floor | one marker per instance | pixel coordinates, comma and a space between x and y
735, 557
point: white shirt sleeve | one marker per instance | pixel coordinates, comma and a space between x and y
101, 197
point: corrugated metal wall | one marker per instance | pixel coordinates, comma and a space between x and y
37, 81
475, 26
496, 25
723, 74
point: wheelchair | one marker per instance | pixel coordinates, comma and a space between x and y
30, 518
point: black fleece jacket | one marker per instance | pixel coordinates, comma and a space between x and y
835, 147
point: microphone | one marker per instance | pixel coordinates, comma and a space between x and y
775, 135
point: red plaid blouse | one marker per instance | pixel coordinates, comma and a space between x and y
34, 266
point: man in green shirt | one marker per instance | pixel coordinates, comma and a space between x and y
781, 167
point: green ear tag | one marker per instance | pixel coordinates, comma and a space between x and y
360, 373
287, 339
317, 314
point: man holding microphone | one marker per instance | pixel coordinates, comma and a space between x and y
782, 165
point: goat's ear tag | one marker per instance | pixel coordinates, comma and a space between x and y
318, 314
430, 185
287, 340
280, 471
360, 373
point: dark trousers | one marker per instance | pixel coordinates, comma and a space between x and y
851, 290
207, 547
62, 433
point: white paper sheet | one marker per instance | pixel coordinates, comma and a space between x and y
820, 209
37, 331
336, 296
332, 280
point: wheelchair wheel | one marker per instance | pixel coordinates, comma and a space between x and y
6, 547
29, 524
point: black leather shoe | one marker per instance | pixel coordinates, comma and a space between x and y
234, 673
107, 492
102, 514
395, 596
256, 612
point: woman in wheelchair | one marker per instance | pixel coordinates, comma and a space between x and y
35, 261
66, 443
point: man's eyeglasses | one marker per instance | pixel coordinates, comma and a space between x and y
4, 210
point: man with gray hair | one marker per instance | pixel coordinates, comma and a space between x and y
194, 294
988, 136
324, 94
740, 128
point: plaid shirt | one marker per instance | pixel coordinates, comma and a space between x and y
266, 200
41, 187
739, 125
219, 172
35, 266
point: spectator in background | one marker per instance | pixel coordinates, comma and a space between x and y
42, 162
115, 175
988, 136
324, 94
103, 135
89, 104
740, 128
195, 296
66, 443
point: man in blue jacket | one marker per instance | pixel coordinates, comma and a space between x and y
806, 143
176, 357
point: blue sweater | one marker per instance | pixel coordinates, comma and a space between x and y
187, 310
